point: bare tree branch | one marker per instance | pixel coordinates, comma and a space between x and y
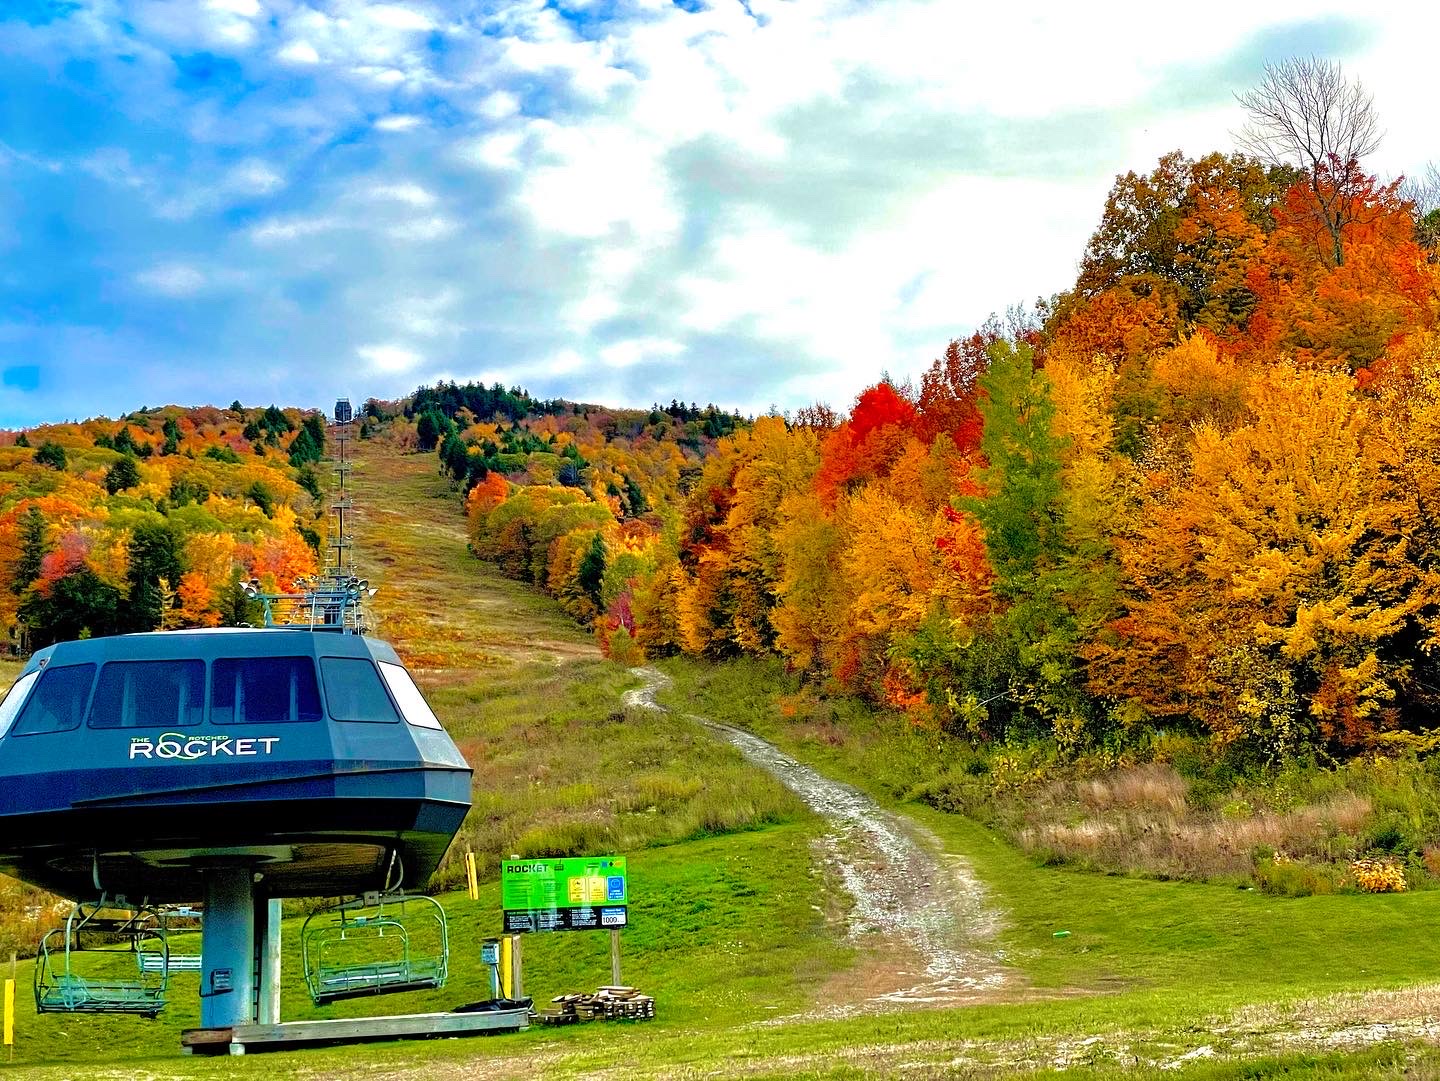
1305, 113
1423, 195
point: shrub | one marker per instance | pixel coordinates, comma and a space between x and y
1379, 875
1284, 877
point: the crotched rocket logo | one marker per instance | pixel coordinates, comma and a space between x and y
188, 747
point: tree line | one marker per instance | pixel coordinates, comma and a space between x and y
1195, 490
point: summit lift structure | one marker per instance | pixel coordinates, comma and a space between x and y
236, 767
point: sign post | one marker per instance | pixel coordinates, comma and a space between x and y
588, 893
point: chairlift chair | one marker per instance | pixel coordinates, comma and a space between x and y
181, 920
375, 945
95, 962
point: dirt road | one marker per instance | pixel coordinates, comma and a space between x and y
923, 920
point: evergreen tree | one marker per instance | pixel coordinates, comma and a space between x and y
80, 605
154, 570
634, 497
427, 431
51, 454
591, 571
122, 475
454, 457
303, 449
32, 549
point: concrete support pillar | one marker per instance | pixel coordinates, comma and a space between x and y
227, 949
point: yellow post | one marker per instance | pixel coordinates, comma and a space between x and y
10, 1016
471, 876
505, 967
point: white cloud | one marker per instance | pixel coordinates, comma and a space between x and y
254, 177
834, 187
398, 17
498, 151
409, 193
299, 52
383, 76
248, 9
500, 105
582, 315
421, 229
275, 230
389, 358
173, 280
563, 362
634, 350
398, 122
251, 179
231, 22
425, 315
584, 181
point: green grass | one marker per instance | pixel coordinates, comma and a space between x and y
719, 932
1217, 941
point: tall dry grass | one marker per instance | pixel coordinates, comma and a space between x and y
1141, 820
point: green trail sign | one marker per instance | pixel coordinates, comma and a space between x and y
587, 893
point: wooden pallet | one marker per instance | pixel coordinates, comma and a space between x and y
606, 1004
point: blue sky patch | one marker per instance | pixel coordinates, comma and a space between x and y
21, 377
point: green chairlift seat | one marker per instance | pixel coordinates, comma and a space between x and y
375, 945
95, 962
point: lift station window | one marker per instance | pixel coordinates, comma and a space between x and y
12, 702
59, 700
149, 694
264, 690
353, 690
412, 702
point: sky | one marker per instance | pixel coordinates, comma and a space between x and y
756, 203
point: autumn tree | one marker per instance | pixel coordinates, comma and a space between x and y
1025, 661
1271, 588
946, 402
1172, 247
1306, 113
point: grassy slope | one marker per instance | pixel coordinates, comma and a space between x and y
724, 930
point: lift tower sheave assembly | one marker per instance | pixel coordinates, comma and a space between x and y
233, 766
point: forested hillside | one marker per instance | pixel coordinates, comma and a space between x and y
1196, 492
153, 521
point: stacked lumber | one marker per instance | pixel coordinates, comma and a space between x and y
606, 1004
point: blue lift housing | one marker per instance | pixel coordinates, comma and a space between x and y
137, 763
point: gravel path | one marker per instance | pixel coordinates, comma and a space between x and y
936, 930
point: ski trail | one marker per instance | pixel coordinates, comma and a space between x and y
903, 886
